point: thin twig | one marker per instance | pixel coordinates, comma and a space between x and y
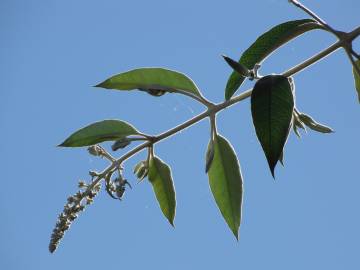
106, 154
314, 15
200, 98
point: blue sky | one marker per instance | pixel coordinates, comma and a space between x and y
52, 52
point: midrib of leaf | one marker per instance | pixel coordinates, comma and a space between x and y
168, 199
227, 187
270, 100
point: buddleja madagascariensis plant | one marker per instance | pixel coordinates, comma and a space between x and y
273, 109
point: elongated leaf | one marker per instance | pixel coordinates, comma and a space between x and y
159, 176
155, 81
107, 130
265, 45
312, 124
272, 104
226, 183
357, 78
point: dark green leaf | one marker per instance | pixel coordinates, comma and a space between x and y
155, 81
312, 124
121, 143
209, 156
226, 183
160, 177
357, 78
238, 67
272, 104
265, 45
107, 130
281, 158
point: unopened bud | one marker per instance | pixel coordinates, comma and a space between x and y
94, 150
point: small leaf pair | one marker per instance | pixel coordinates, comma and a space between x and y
312, 124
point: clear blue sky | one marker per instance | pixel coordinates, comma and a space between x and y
52, 52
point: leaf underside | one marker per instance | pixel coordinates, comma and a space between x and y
272, 105
226, 183
106, 130
357, 79
154, 80
160, 177
265, 45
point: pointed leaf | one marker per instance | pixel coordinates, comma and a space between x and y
238, 67
226, 183
265, 45
107, 130
357, 78
272, 104
281, 158
159, 176
155, 81
312, 124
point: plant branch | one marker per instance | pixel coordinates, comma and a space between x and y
314, 15
200, 98
213, 109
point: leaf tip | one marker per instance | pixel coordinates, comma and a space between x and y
236, 234
100, 85
224, 56
171, 223
272, 169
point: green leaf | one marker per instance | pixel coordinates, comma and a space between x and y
272, 105
265, 45
106, 130
121, 143
226, 183
312, 124
357, 78
238, 67
155, 81
209, 156
281, 158
159, 176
